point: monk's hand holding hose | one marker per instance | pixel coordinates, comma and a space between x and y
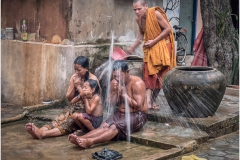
130, 50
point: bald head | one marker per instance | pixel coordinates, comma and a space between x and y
140, 1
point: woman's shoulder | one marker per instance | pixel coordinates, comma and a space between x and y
92, 76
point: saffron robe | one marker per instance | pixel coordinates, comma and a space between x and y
157, 57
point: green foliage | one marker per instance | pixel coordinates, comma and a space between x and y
220, 29
222, 19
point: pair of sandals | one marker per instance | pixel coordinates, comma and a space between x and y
107, 154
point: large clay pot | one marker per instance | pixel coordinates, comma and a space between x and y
194, 91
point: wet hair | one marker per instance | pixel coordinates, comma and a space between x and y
120, 64
93, 84
83, 61
141, 1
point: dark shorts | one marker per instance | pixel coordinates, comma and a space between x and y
137, 121
96, 121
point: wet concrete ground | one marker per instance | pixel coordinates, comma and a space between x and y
166, 138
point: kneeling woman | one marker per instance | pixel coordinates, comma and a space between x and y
65, 123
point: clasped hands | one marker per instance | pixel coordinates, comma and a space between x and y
116, 88
78, 82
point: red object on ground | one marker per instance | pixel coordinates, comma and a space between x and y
118, 54
200, 57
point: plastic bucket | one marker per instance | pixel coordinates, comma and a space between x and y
118, 54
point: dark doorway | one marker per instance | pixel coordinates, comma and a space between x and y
235, 11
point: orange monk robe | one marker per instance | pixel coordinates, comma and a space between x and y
158, 55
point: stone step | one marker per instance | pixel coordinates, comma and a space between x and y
165, 136
224, 121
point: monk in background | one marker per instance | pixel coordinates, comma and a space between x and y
158, 47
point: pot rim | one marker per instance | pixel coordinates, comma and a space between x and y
195, 68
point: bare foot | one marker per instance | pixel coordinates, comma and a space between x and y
155, 106
79, 132
33, 130
71, 138
28, 127
80, 142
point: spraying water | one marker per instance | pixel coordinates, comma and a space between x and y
127, 117
106, 77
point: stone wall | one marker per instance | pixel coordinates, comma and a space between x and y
32, 72
35, 71
81, 21
53, 17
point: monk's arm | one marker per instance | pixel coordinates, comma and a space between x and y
165, 26
137, 42
139, 39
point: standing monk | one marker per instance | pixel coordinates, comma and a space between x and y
159, 53
127, 92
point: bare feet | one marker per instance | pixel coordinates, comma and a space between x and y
71, 138
79, 132
80, 142
33, 130
155, 107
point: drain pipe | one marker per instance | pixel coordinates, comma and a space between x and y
195, 9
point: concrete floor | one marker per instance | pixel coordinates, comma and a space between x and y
163, 137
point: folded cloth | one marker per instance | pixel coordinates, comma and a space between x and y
107, 154
200, 57
192, 157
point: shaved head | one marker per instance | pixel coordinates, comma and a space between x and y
141, 1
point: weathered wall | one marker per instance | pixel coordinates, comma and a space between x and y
93, 21
35, 71
82, 21
32, 72
52, 15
